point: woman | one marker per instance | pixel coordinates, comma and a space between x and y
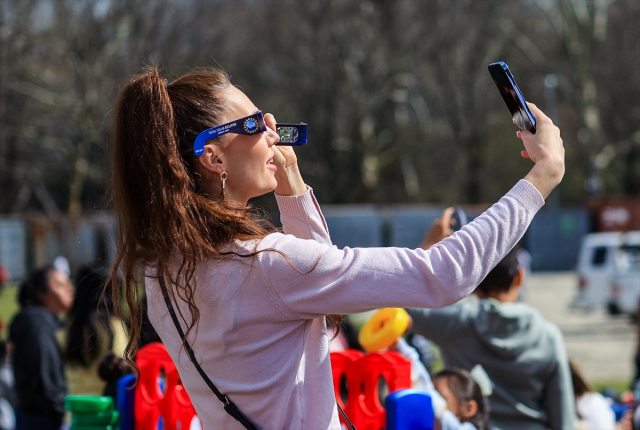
37, 361
252, 301
93, 331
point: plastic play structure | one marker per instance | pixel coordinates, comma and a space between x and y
159, 401
383, 329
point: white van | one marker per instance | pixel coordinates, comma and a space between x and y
596, 267
625, 285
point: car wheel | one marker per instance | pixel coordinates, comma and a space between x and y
613, 308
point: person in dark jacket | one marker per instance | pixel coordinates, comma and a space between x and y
40, 381
522, 352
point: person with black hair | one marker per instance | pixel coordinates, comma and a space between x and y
523, 354
93, 330
40, 381
464, 397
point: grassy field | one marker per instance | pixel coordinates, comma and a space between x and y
8, 306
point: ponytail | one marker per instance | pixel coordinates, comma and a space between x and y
162, 210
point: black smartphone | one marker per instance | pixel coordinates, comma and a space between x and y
512, 96
292, 134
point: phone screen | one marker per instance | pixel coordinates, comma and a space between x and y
512, 96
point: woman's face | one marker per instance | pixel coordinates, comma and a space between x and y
248, 160
59, 297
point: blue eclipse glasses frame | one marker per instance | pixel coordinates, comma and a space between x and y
290, 134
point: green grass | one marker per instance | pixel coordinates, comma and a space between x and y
620, 386
8, 306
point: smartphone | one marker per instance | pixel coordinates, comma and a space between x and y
292, 134
461, 218
512, 96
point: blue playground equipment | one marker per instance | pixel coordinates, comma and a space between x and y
409, 409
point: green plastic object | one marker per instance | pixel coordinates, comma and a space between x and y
88, 404
96, 419
76, 427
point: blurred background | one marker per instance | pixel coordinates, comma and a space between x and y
403, 117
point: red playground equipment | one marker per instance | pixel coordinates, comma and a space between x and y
161, 402
362, 373
153, 403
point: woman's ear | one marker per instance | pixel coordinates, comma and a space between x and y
211, 160
470, 409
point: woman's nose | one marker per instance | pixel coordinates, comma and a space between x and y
272, 137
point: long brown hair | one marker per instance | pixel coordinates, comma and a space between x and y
161, 209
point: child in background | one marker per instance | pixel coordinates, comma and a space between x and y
594, 410
464, 397
457, 399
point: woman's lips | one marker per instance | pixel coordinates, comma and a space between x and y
272, 166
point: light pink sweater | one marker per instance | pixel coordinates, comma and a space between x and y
262, 337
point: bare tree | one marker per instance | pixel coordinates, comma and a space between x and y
400, 105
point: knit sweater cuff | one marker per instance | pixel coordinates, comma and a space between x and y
297, 206
527, 195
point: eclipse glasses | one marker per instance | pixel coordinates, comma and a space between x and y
290, 134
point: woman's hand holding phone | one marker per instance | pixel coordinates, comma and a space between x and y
440, 229
545, 149
290, 181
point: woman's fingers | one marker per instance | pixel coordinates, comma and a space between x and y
270, 120
546, 150
284, 156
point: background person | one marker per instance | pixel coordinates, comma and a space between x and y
93, 330
464, 397
40, 380
457, 400
252, 301
523, 354
7, 389
594, 410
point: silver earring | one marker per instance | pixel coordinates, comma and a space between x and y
223, 178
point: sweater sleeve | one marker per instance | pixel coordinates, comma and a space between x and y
317, 279
301, 216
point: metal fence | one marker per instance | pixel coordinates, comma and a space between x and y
33, 240
553, 238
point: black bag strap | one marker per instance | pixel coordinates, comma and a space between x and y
351, 426
229, 406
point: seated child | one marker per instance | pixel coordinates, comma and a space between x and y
594, 410
464, 397
458, 401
